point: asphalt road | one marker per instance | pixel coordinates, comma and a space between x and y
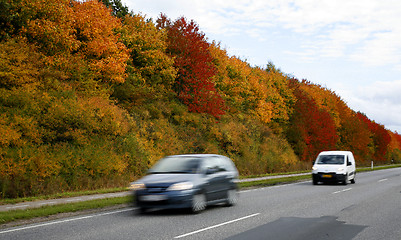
369, 209
41, 203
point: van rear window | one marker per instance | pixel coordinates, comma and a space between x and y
330, 159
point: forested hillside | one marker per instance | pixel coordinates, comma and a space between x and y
92, 94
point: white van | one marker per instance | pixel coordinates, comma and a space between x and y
334, 166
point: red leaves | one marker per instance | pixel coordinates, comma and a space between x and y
311, 129
193, 60
381, 137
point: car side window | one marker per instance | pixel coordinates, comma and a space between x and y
227, 163
208, 164
222, 164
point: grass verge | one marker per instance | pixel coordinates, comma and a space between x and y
14, 215
62, 195
367, 169
274, 181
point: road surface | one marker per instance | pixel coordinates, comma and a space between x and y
369, 209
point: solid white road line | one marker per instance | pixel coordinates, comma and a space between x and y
344, 190
64, 221
218, 225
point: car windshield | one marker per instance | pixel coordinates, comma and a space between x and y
176, 164
331, 159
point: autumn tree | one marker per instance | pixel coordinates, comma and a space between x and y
100, 44
254, 90
325, 99
70, 32
311, 129
355, 136
150, 70
394, 148
380, 137
193, 60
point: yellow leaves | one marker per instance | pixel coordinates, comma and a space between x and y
9, 167
148, 51
265, 111
18, 64
96, 30
87, 29
50, 25
24, 167
109, 118
77, 120
252, 89
8, 134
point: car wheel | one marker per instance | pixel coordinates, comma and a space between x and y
314, 182
142, 210
353, 180
198, 203
232, 197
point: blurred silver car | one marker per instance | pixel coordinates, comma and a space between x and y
191, 181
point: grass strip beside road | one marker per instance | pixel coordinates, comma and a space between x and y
62, 195
274, 181
14, 215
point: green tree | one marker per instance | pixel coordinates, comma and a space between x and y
118, 8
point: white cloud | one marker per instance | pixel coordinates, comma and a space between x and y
362, 31
380, 101
383, 49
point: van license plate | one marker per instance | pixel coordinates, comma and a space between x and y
326, 176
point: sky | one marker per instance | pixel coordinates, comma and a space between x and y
352, 47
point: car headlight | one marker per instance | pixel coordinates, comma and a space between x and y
180, 186
340, 169
136, 186
314, 168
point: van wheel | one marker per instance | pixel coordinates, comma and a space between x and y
345, 180
353, 180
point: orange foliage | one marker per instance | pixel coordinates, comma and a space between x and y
50, 25
252, 89
96, 28
85, 29
19, 64
324, 98
9, 135
395, 146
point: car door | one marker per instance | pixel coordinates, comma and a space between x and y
214, 179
